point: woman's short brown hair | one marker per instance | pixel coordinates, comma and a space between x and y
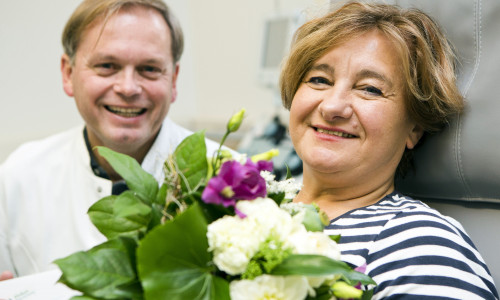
91, 10
427, 58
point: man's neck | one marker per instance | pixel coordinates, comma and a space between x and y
99, 164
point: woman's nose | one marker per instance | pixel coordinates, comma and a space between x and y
336, 103
127, 84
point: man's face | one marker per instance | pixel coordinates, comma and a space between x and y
123, 79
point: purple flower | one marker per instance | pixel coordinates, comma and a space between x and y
236, 182
361, 269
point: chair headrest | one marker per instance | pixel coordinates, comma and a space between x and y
462, 163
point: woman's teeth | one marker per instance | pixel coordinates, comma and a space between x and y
126, 112
337, 133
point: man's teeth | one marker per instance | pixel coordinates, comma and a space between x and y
126, 112
337, 133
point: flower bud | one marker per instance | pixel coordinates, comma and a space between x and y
235, 121
312, 220
343, 290
226, 154
266, 155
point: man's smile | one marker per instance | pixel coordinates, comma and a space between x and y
125, 112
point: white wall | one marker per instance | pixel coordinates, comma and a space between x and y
218, 70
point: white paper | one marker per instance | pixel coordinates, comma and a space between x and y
36, 287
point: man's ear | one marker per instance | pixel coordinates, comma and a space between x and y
414, 136
66, 72
175, 74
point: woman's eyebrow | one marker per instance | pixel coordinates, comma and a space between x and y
367, 73
323, 67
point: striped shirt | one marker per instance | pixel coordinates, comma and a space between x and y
412, 251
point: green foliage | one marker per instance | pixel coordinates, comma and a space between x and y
277, 197
271, 253
312, 220
324, 292
138, 180
174, 262
124, 215
191, 159
103, 271
335, 238
317, 265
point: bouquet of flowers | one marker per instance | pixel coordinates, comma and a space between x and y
217, 228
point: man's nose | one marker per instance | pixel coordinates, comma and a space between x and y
127, 83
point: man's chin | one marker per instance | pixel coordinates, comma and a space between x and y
125, 142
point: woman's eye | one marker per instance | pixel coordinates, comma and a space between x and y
318, 82
373, 90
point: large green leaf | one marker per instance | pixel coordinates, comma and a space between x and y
173, 261
124, 215
191, 159
317, 265
101, 271
138, 180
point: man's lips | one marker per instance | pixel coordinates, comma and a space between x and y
334, 132
126, 112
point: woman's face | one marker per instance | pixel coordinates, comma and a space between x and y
348, 116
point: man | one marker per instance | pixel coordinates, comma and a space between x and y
120, 64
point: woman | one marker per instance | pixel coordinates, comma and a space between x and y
363, 85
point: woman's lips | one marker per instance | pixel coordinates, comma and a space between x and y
334, 132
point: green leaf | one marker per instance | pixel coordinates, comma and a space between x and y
288, 172
161, 196
157, 207
138, 180
335, 238
277, 197
318, 265
124, 215
191, 158
173, 261
312, 220
101, 271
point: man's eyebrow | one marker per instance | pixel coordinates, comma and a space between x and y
367, 73
102, 56
111, 57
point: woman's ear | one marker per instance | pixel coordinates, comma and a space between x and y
66, 71
414, 136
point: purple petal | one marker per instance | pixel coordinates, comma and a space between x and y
239, 213
264, 165
212, 192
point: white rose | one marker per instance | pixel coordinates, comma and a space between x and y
269, 287
234, 241
272, 221
307, 242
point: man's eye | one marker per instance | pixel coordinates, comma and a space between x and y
318, 82
105, 68
150, 71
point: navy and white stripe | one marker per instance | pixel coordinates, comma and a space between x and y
412, 251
